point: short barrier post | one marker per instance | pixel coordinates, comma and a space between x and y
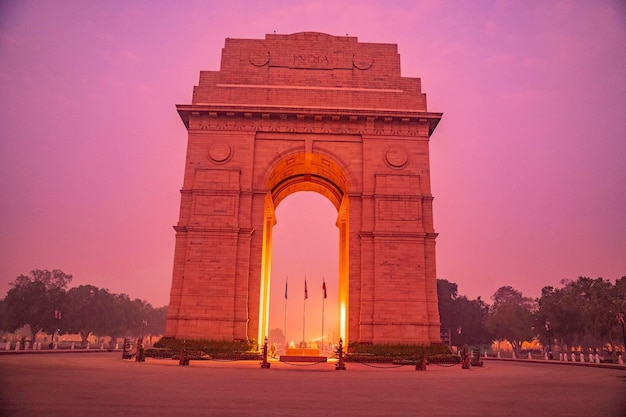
465, 360
265, 364
126, 348
420, 364
183, 360
340, 366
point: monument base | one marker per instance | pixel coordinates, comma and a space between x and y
303, 355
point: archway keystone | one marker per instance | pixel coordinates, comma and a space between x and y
306, 112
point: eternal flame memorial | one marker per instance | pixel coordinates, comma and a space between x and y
306, 112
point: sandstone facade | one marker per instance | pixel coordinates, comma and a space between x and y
306, 111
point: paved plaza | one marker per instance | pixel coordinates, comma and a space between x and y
102, 384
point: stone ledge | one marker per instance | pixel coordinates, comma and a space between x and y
302, 358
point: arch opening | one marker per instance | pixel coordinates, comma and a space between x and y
304, 246
312, 173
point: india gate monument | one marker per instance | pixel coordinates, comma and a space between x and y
306, 112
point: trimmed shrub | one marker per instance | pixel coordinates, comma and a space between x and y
401, 354
204, 349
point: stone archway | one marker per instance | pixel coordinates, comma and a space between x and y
306, 172
306, 111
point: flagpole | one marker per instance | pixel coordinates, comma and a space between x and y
306, 295
285, 316
323, 302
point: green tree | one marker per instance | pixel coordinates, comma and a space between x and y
155, 318
562, 307
127, 318
582, 312
3, 315
136, 313
598, 309
55, 279
472, 325
447, 294
88, 311
36, 300
511, 317
118, 314
618, 299
465, 318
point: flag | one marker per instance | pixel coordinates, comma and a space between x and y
285, 288
306, 291
324, 288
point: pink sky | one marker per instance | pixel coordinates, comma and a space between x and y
528, 163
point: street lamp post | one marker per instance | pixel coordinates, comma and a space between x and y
143, 326
620, 320
547, 326
57, 327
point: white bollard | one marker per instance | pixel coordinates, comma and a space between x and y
485, 354
27, 346
582, 357
573, 357
117, 346
545, 355
597, 358
17, 345
7, 346
72, 347
591, 358
499, 356
530, 356
514, 355
55, 345
88, 345
620, 360
102, 346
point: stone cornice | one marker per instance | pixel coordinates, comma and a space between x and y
348, 115
213, 230
394, 235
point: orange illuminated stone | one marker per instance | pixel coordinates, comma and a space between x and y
306, 112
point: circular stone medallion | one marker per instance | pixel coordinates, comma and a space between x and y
396, 157
220, 152
259, 59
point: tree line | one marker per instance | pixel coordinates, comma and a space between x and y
579, 313
582, 312
43, 301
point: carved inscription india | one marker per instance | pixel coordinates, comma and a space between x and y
310, 59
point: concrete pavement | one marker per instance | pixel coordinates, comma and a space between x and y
102, 384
